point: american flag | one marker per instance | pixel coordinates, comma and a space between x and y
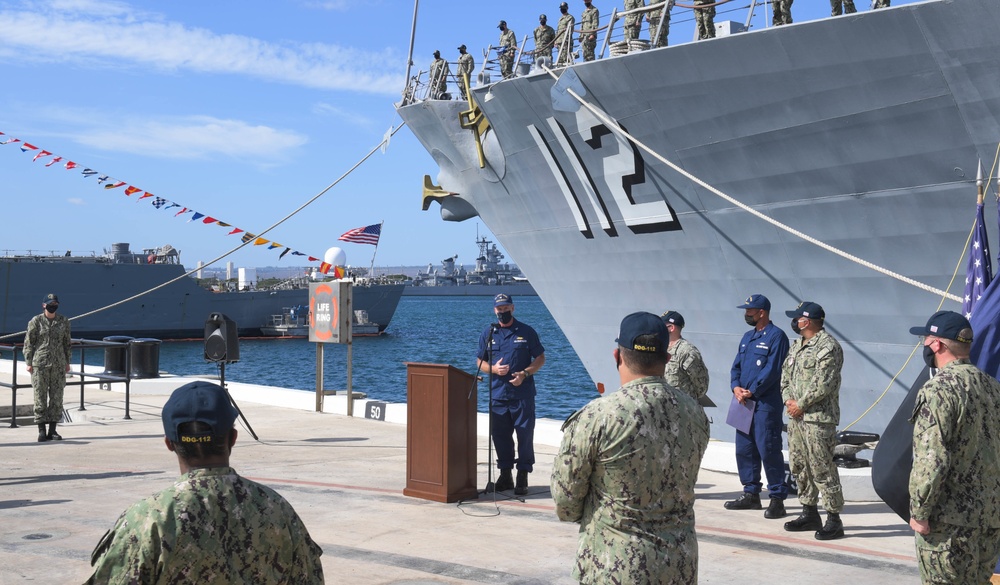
979, 270
363, 235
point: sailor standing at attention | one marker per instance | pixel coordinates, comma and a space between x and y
686, 369
589, 23
564, 36
633, 22
782, 12
704, 15
654, 22
544, 38
512, 354
465, 66
954, 484
508, 47
439, 77
756, 376
810, 387
838, 7
47, 353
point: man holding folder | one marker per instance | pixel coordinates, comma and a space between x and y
756, 382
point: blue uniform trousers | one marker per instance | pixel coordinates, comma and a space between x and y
762, 445
509, 417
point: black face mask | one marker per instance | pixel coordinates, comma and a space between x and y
750, 319
51, 308
929, 356
505, 317
795, 326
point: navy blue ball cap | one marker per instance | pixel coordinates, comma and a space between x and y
50, 298
756, 302
198, 401
639, 324
502, 299
673, 317
807, 309
946, 325
502, 23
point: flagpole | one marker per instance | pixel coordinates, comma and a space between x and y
371, 267
979, 183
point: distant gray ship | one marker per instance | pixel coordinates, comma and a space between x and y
862, 131
489, 277
177, 311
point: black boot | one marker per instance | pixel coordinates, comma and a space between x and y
521, 488
833, 528
808, 520
505, 481
53, 434
746, 501
776, 509
42, 435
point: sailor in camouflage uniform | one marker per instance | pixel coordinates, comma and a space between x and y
633, 22
564, 36
212, 527
810, 387
545, 36
46, 353
686, 369
589, 23
954, 484
507, 50
465, 66
705, 18
838, 7
781, 12
439, 73
627, 467
654, 23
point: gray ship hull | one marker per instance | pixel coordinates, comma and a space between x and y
862, 131
174, 312
469, 290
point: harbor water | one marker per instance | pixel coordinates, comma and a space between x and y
441, 330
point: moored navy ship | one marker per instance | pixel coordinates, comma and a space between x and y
176, 311
490, 277
860, 132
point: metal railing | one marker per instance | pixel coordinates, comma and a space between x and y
85, 378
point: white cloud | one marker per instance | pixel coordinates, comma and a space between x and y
194, 137
334, 111
95, 33
76, 201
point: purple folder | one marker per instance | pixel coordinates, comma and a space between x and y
740, 416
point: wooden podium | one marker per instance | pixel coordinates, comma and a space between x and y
440, 433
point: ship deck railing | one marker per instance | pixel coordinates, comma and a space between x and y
84, 377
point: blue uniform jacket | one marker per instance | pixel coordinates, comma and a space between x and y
518, 345
757, 366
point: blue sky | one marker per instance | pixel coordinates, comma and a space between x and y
241, 110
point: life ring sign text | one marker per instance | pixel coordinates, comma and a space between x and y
330, 312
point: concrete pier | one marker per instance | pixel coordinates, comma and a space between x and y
345, 477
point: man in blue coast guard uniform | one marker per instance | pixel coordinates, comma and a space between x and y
756, 375
511, 352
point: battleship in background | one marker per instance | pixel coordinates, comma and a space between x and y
488, 278
862, 131
177, 311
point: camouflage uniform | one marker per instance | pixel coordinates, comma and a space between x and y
633, 22
439, 78
654, 22
880, 4
564, 39
589, 23
508, 41
626, 472
47, 351
838, 7
782, 12
686, 370
953, 483
705, 17
545, 36
810, 376
211, 527
466, 64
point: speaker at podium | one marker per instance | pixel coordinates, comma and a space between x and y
440, 433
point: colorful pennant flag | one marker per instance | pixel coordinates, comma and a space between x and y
41, 154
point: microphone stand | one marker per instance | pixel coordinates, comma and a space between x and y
490, 485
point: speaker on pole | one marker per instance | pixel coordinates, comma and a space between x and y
222, 343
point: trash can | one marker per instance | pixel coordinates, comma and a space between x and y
114, 356
145, 353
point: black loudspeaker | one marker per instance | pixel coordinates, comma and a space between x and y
222, 343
